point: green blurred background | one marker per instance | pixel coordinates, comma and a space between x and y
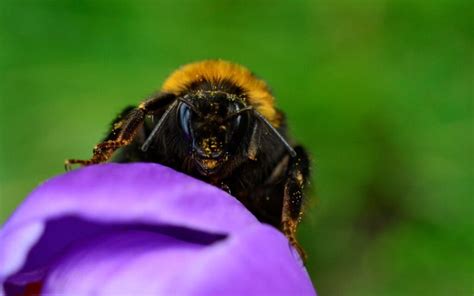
381, 92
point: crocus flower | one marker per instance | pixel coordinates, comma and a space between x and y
142, 229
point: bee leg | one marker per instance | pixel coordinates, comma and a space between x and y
101, 153
297, 176
124, 129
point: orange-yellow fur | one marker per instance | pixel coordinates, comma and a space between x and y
258, 94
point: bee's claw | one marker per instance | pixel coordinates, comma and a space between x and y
67, 165
299, 250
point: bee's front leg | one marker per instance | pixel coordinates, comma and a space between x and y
124, 128
121, 136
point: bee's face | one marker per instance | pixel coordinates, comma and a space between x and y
213, 128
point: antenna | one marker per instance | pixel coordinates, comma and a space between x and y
158, 126
276, 133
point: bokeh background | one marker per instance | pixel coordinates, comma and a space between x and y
381, 93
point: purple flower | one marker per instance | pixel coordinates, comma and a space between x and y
128, 229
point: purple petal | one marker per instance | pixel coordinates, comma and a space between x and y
149, 263
142, 228
142, 263
134, 192
257, 261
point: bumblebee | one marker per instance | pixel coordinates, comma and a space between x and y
216, 121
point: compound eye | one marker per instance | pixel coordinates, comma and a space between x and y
237, 128
184, 114
235, 123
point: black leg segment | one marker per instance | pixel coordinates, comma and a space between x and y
293, 195
124, 129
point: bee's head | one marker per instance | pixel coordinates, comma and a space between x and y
213, 123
